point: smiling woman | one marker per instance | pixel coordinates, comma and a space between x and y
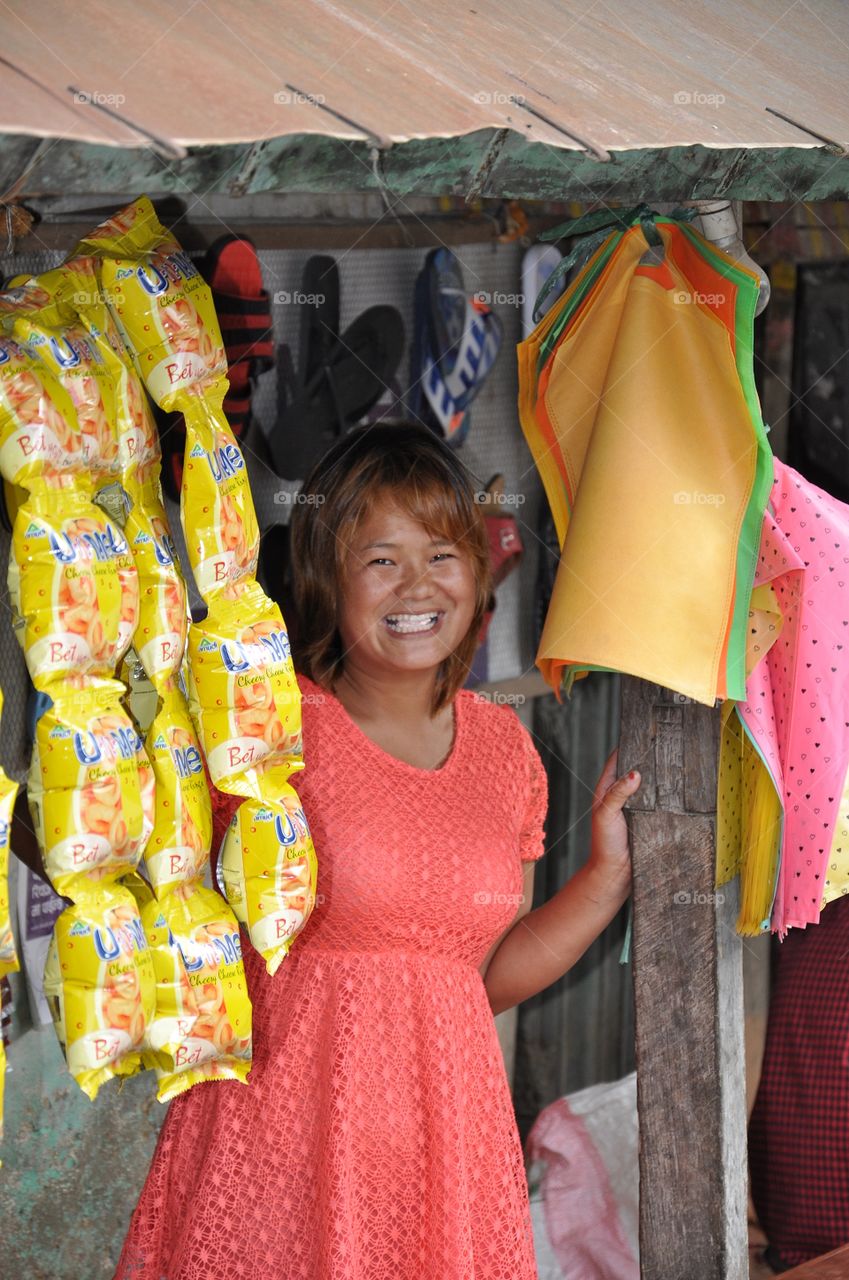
399, 520
376, 1139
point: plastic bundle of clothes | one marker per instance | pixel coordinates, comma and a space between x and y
637, 400
690, 557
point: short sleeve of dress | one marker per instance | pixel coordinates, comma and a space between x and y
532, 834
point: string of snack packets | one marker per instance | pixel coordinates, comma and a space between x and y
145, 970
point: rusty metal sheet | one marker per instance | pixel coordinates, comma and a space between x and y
597, 78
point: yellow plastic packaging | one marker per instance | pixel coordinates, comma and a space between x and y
165, 310
178, 848
160, 636
162, 304
243, 694
90, 791
8, 956
269, 869
40, 437
216, 505
137, 437
202, 1026
66, 588
44, 321
100, 984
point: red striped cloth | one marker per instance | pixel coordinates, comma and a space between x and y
799, 1129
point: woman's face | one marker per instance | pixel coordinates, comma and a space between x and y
407, 597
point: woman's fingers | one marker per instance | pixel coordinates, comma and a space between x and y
612, 792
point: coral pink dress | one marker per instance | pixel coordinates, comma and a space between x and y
376, 1139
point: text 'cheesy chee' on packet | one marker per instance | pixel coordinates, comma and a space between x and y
166, 312
269, 869
178, 848
91, 791
100, 984
243, 694
202, 1027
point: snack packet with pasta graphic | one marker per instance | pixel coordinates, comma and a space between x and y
269, 869
100, 984
216, 505
178, 849
166, 312
44, 322
139, 454
40, 437
161, 302
90, 791
243, 694
160, 637
8, 956
73, 607
202, 1027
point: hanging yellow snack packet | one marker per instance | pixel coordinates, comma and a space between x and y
202, 1028
139, 454
45, 323
178, 848
243, 694
100, 984
165, 310
269, 869
40, 438
66, 589
90, 790
160, 637
216, 505
8, 956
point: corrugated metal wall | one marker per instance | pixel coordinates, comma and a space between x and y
580, 1031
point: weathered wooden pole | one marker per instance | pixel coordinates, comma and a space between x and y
688, 996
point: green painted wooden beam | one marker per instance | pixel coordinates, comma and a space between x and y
488, 163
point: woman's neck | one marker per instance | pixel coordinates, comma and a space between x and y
406, 696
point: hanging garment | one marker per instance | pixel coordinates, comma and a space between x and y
783, 792
799, 1128
638, 403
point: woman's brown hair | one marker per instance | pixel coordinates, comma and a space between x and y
431, 485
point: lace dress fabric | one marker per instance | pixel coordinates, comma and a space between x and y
376, 1139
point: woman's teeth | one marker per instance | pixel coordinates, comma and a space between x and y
411, 622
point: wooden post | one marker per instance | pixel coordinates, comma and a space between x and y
688, 995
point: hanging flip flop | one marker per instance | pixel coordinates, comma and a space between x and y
456, 342
356, 371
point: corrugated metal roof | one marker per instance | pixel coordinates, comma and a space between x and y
594, 77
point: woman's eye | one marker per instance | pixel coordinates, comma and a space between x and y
380, 560
443, 555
